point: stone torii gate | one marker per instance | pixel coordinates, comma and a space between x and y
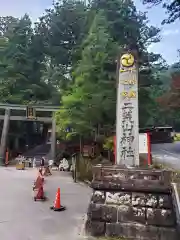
7, 117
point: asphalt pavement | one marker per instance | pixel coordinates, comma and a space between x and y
23, 219
167, 153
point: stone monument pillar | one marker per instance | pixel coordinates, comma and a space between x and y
127, 120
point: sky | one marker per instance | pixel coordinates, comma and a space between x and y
170, 34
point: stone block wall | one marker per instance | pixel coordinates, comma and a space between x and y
132, 204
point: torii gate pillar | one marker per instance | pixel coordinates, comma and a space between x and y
4, 135
53, 139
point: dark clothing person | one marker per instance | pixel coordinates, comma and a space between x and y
30, 163
42, 162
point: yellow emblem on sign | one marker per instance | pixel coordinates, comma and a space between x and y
127, 60
131, 94
124, 94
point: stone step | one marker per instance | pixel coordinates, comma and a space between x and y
130, 231
140, 231
125, 213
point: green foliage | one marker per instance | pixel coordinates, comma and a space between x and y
172, 8
22, 64
109, 144
7, 25
70, 57
84, 169
91, 100
92, 94
62, 30
177, 137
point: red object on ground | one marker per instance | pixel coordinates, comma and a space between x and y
38, 183
40, 194
115, 150
7, 158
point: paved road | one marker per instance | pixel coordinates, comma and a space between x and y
168, 153
22, 218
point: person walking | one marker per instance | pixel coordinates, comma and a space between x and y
64, 165
30, 162
50, 163
42, 161
34, 162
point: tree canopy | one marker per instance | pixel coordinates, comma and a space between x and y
69, 57
172, 8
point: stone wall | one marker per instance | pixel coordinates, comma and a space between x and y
132, 204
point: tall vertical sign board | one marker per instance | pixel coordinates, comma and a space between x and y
127, 122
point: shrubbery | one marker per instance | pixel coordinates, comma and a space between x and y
177, 137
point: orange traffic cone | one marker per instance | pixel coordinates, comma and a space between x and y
57, 203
